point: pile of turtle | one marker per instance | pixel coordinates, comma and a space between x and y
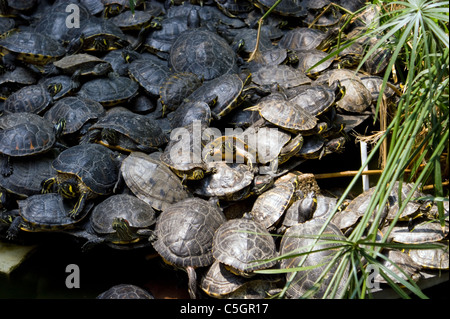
162, 128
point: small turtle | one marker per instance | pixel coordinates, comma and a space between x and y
32, 99
11, 81
202, 52
243, 245
373, 83
115, 7
229, 181
123, 219
300, 211
184, 232
175, 88
136, 20
77, 112
44, 212
84, 172
30, 47
125, 291
149, 74
418, 231
111, 91
283, 75
307, 59
152, 181
290, 8
190, 112
299, 239
59, 86
400, 265
303, 39
127, 131
25, 134
234, 9
436, 258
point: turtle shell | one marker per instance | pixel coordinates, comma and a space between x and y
286, 115
202, 52
298, 239
283, 75
82, 61
95, 165
31, 99
132, 20
150, 75
109, 92
152, 181
291, 8
185, 232
176, 87
125, 291
431, 258
307, 59
239, 243
421, 231
32, 47
135, 211
142, 130
25, 134
76, 111
44, 212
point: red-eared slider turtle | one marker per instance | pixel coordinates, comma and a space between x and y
373, 83
59, 86
111, 91
125, 291
152, 181
98, 35
436, 258
32, 99
300, 211
317, 99
400, 264
307, 59
291, 8
44, 212
127, 131
184, 233
76, 111
303, 39
242, 245
299, 239
418, 231
229, 181
84, 172
183, 153
114, 7
286, 114
234, 8
283, 75
133, 20
11, 81
25, 134
202, 52
189, 112
149, 74
175, 88
222, 92
123, 219
30, 47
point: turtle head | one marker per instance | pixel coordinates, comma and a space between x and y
123, 229
59, 126
69, 188
110, 136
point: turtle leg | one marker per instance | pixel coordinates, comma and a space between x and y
6, 168
192, 286
13, 230
78, 208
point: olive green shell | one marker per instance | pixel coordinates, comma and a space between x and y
185, 230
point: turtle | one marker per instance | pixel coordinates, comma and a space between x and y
28, 174
11, 81
419, 231
127, 131
25, 134
30, 47
31, 99
243, 246
307, 238
373, 83
84, 172
229, 181
220, 283
115, 7
202, 52
59, 86
307, 60
184, 233
125, 291
234, 9
400, 266
44, 212
176, 87
326, 205
98, 34
111, 91
183, 153
300, 211
189, 112
149, 74
282, 75
286, 115
290, 8
377, 62
274, 56
151, 180
123, 219
303, 39
436, 258
357, 98
136, 20
78, 113
270, 206
223, 93
317, 99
